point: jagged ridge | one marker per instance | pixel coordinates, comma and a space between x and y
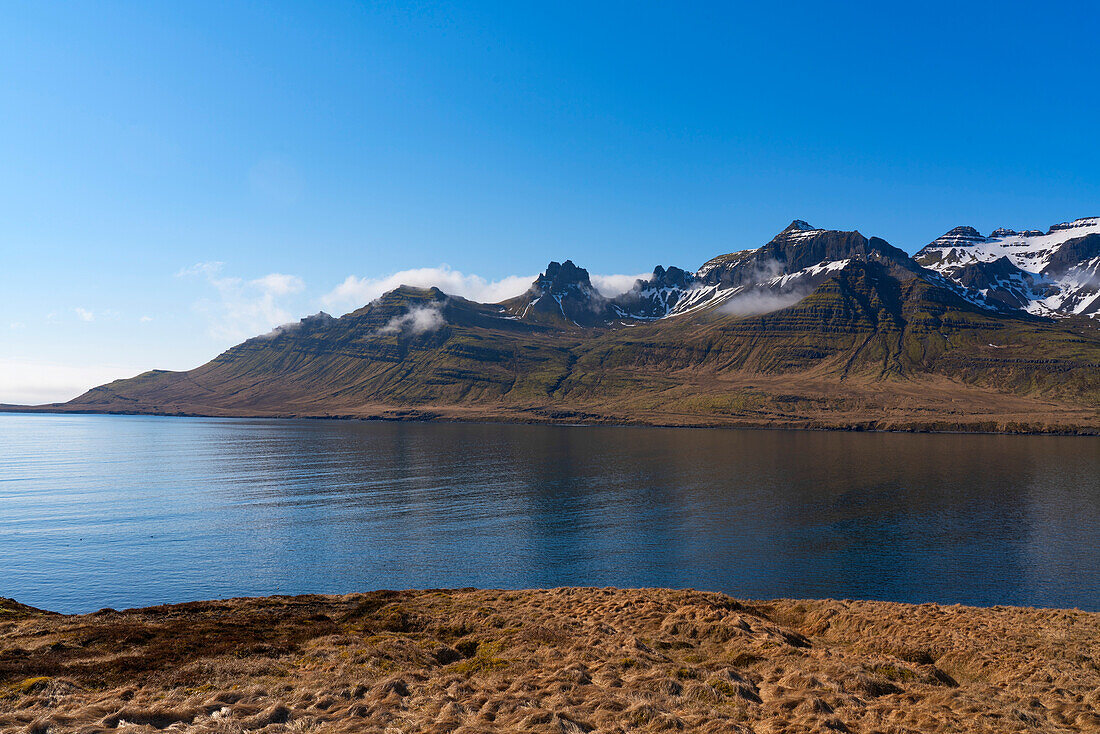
816, 328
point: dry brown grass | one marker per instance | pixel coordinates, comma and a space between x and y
561, 660
697, 399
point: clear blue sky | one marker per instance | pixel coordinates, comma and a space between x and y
302, 143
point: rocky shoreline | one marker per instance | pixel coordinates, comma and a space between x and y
559, 660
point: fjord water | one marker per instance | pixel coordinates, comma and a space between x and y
125, 511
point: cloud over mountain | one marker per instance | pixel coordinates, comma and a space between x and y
354, 291
243, 307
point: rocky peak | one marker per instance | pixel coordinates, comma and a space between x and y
563, 295
560, 277
798, 225
654, 297
797, 231
799, 249
308, 324
958, 237
1082, 223
318, 318
673, 277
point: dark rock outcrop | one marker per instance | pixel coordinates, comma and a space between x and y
657, 296
564, 296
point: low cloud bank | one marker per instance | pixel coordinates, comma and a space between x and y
355, 292
757, 302
610, 286
418, 320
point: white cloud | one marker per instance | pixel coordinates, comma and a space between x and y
279, 284
86, 315
243, 308
756, 302
145, 319
208, 269
610, 286
355, 292
416, 321
24, 382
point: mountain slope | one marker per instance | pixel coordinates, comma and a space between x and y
815, 329
1053, 273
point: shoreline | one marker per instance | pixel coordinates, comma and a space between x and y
552, 660
416, 415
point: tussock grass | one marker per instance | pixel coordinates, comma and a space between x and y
560, 661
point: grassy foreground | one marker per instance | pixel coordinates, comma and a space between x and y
562, 660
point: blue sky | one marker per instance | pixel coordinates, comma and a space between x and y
319, 150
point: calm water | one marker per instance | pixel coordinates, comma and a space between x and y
124, 511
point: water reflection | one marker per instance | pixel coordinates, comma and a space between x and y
123, 511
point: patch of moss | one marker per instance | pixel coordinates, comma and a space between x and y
484, 659
672, 645
488, 649
894, 672
478, 665
723, 686
29, 685
744, 659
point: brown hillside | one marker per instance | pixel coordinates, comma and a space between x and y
867, 349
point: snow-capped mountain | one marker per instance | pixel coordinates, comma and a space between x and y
657, 296
1052, 273
709, 347
792, 264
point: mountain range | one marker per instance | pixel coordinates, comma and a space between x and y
816, 328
